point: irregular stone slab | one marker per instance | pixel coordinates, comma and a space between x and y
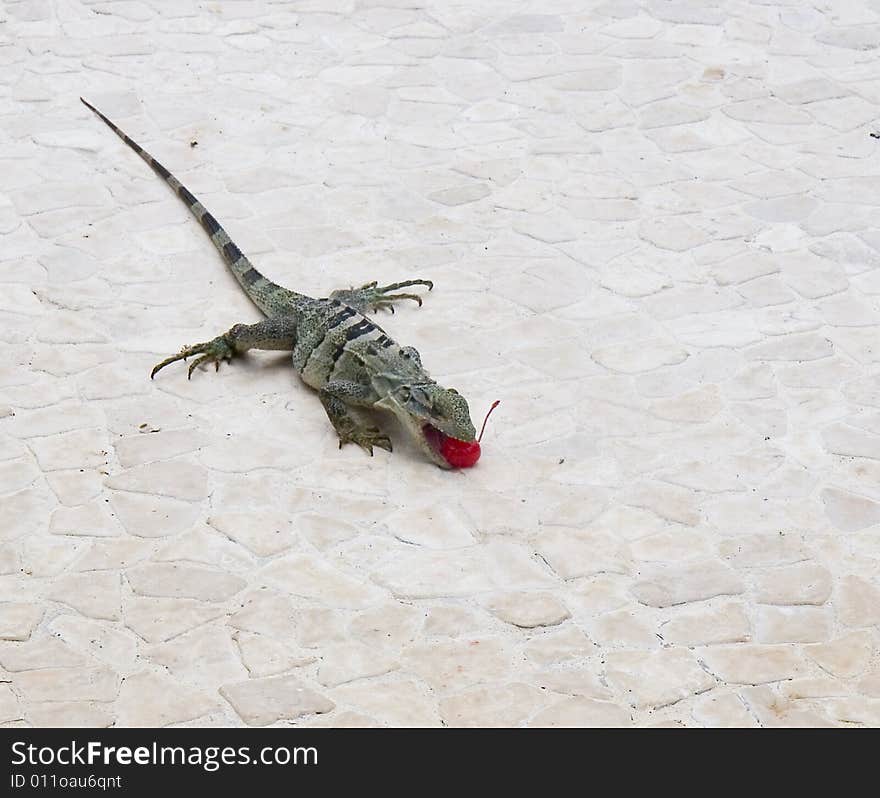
849, 511
52, 196
845, 656
25, 512
314, 578
204, 546
152, 700
851, 37
96, 594
158, 619
809, 90
569, 680
811, 276
749, 663
559, 646
392, 624
652, 679
19, 619
799, 347
396, 702
629, 628
782, 209
695, 406
674, 545
9, 562
435, 527
135, 450
88, 520
672, 502
265, 657
858, 602
82, 448
723, 709
668, 585
461, 195
341, 720
635, 357
67, 684
265, 533
492, 706
581, 713
49, 555
458, 663
803, 583
176, 479
46, 652
10, 710
573, 553
268, 613
448, 621
106, 554
528, 610
767, 110
17, 474
324, 532
726, 622
183, 581
346, 662
260, 702
149, 516
771, 548
765, 292
672, 233
115, 647
764, 702
71, 715
792, 624
73, 486
462, 572
206, 655
669, 112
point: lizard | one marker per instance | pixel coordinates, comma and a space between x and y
336, 349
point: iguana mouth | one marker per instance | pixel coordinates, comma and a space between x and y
434, 438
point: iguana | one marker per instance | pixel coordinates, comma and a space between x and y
337, 350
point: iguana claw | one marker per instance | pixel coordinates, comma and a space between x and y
366, 438
212, 352
374, 297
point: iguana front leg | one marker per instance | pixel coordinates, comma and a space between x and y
374, 297
278, 333
337, 397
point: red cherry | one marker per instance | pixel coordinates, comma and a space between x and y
460, 454
464, 454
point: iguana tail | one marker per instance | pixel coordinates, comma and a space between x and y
269, 297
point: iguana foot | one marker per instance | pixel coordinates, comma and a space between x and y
221, 348
374, 297
349, 427
366, 438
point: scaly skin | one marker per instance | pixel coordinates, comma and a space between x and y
336, 349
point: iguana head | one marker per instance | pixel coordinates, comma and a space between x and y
432, 414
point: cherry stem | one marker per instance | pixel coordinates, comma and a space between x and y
483, 428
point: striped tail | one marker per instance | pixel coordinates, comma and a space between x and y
269, 297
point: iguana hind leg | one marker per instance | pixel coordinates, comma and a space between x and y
374, 297
338, 397
277, 333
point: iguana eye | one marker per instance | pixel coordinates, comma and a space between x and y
452, 390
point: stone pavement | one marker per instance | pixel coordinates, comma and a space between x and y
653, 229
